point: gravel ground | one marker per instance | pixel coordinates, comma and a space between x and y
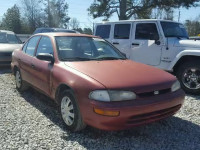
31, 121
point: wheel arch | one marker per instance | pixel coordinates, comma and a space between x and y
61, 88
183, 59
186, 55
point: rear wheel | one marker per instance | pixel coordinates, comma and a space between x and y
20, 84
70, 112
189, 77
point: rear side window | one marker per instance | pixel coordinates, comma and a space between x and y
122, 31
145, 30
45, 46
103, 31
30, 50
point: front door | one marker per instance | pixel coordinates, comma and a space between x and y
143, 49
42, 69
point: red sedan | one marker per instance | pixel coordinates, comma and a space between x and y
93, 83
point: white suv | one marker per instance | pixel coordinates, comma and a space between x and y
160, 43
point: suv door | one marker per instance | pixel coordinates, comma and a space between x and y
143, 49
121, 37
42, 71
25, 60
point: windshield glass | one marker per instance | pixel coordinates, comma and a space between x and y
9, 38
85, 48
172, 29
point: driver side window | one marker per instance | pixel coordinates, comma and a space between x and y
145, 30
45, 46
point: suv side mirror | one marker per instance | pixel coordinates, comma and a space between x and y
154, 36
46, 57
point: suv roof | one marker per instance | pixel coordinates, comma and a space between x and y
144, 20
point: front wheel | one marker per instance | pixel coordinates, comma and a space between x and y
189, 76
70, 112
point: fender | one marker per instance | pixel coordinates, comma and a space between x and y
181, 54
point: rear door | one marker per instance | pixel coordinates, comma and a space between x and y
121, 37
25, 61
143, 49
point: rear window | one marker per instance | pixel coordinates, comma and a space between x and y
122, 31
103, 31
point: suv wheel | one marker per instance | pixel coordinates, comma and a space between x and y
189, 77
70, 112
20, 84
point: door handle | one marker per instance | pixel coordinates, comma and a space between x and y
135, 44
115, 43
32, 66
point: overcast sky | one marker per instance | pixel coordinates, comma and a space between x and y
78, 9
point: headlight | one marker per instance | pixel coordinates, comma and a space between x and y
176, 86
110, 95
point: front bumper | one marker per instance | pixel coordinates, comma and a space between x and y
136, 112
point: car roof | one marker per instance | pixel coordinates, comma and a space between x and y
54, 34
7, 31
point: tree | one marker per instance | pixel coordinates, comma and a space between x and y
87, 31
56, 13
11, 20
33, 14
74, 23
193, 27
125, 9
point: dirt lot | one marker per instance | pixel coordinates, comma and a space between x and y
31, 121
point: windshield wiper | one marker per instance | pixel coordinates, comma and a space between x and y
109, 58
77, 59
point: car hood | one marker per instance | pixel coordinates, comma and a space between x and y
125, 74
9, 47
187, 43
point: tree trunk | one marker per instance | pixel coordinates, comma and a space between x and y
122, 14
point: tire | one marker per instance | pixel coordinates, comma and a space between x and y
20, 84
70, 112
188, 74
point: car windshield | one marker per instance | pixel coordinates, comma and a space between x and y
9, 38
172, 29
85, 49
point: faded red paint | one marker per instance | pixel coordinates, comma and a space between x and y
86, 76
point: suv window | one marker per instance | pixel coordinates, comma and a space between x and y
45, 46
32, 45
122, 31
103, 31
145, 30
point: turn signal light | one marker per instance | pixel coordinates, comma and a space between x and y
106, 112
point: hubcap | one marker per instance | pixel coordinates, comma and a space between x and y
191, 78
18, 79
67, 110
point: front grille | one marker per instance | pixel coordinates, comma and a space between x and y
5, 53
156, 115
152, 93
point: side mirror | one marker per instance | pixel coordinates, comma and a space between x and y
46, 57
155, 37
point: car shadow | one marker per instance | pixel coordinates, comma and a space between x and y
5, 69
171, 133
